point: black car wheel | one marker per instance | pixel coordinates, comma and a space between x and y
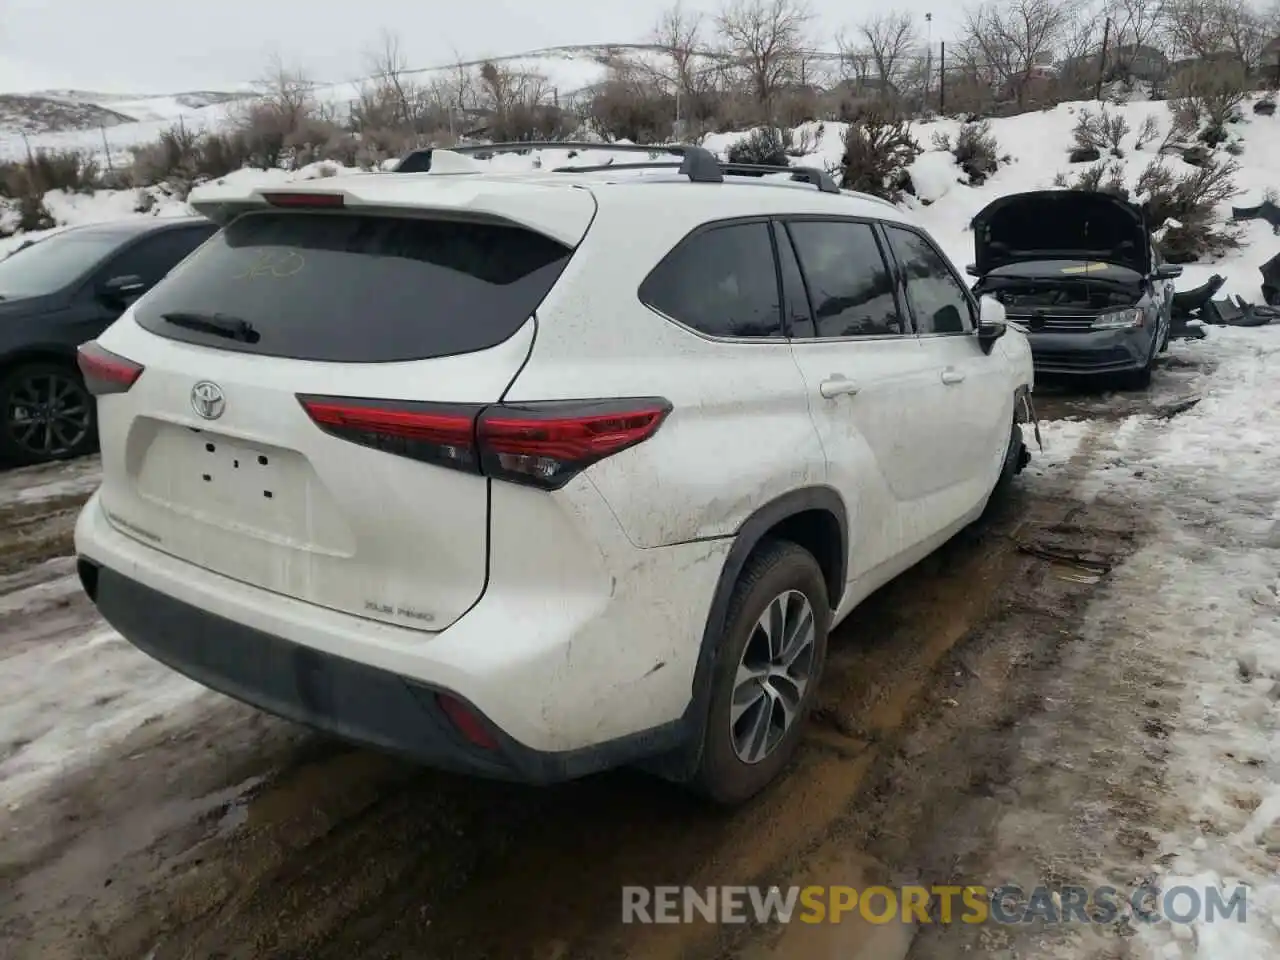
46, 414
1140, 379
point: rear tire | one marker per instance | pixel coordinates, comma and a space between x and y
765, 677
1014, 460
46, 414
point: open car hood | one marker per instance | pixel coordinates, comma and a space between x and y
1061, 225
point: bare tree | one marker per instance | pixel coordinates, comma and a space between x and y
1200, 28
1014, 37
1245, 31
856, 64
766, 37
679, 33
1134, 24
457, 88
1195, 27
890, 39
388, 67
287, 90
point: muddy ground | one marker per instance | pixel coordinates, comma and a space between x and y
219, 832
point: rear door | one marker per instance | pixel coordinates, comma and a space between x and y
212, 457
863, 367
968, 397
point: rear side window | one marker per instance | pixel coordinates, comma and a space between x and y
357, 288
721, 282
849, 283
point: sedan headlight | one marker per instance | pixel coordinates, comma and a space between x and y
1118, 319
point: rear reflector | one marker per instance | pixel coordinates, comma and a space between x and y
466, 722
105, 372
540, 444
325, 200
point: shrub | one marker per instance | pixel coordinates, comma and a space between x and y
1096, 132
531, 121
976, 151
766, 146
182, 158
877, 153
1190, 202
1149, 130
1214, 94
625, 111
27, 183
1102, 177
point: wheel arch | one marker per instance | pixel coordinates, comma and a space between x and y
815, 518
38, 353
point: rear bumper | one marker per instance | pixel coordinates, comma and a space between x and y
556, 692
346, 698
1084, 354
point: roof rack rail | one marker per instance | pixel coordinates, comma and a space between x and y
697, 163
819, 178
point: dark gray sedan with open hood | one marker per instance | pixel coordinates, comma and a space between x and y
1077, 272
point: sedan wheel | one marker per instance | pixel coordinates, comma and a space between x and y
47, 414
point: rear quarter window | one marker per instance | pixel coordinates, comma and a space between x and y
359, 288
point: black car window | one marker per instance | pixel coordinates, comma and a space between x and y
795, 300
359, 288
849, 284
54, 263
721, 282
154, 256
937, 299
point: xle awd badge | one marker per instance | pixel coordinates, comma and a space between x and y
207, 400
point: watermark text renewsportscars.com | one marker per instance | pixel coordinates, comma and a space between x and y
937, 904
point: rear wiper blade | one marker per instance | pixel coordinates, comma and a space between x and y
218, 324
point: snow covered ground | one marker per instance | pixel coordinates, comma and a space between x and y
1199, 603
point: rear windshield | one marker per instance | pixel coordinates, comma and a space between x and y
355, 288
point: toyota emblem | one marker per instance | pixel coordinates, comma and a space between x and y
207, 400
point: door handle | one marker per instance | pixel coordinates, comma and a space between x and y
951, 377
837, 385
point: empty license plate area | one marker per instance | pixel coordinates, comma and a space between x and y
235, 474
248, 487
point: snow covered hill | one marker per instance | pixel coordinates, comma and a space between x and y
71, 119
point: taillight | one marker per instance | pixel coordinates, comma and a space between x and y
435, 434
106, 372
539, 444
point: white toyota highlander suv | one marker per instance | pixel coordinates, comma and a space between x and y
533, 474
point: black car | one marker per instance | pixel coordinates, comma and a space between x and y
55, 294
1078, 273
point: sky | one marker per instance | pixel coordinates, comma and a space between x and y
173, 46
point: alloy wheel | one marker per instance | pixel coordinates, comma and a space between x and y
48, 413
773, 676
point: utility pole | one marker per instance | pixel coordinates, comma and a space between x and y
1102, 59
942, 78
928, 57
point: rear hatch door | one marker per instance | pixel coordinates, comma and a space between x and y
212, 457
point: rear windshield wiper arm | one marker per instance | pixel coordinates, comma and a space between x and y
218, 324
